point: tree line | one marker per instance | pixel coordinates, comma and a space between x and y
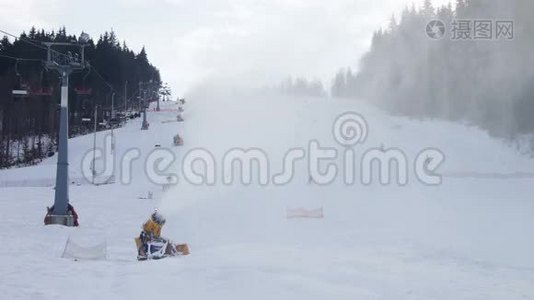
29, 122
302, 87
470, 78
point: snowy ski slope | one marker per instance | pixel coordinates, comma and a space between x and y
468, 238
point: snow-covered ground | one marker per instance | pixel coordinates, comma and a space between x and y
468, 238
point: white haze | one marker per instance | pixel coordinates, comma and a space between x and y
253, 42
485, 83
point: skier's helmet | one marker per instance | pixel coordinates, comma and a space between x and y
158, 218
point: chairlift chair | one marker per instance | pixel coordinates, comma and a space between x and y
83, 91
21, 90
42, 91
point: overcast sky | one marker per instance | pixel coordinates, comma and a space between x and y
258, 42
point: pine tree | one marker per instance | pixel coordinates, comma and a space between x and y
428, 9
33, 33
392, 23
460, 8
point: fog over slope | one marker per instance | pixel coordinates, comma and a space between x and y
485, 82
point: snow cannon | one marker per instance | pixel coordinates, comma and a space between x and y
150, 244
145, 126
160, 248
178, 141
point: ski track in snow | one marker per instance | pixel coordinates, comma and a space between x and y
470, 238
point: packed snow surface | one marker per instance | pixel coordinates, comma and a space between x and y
468, 238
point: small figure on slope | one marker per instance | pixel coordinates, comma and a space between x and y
150, 244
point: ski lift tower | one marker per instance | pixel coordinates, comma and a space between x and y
64, 64
157, 106
144, 103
